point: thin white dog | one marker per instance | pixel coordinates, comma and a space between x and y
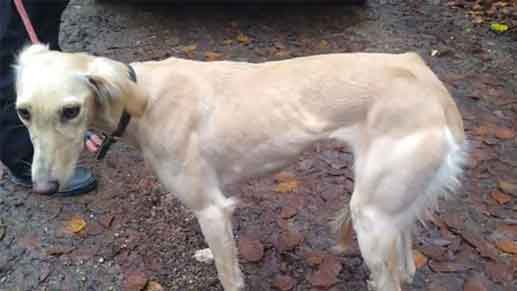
205, 125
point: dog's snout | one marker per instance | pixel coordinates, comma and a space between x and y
46, 187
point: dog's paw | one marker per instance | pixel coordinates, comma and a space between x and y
204, 256
407, 274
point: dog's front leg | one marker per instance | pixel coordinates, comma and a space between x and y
216, 225
196, 185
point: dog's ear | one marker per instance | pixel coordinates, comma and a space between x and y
110, 81
118, 94
29, 51
102, 91
25, 56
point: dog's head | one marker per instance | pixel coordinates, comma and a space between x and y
59, 96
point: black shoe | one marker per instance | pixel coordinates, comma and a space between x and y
20, 180
81, 182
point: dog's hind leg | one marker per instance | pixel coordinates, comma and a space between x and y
216, 225
407, 262
377, 236
396, 179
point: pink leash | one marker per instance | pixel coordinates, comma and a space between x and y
26, 21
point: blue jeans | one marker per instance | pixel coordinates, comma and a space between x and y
15, 146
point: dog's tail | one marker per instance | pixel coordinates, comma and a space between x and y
445, 182
447, 179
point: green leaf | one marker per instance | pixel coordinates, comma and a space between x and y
498, 27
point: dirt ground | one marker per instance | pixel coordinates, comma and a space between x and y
131, 233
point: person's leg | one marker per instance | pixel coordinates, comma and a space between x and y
15, 146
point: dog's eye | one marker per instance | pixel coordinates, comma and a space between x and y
69, 113
24, 113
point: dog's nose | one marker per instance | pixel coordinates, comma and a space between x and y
46, 188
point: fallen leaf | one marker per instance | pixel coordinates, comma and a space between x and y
288, 240
478, 156
106, 220
323, 44
326, 275
477, 241
437, 286
504, 133
243, 39
189, 48
59, 250
286, 182
507, 246
507, 187
94, 228
213, 56
420, 259
433, 252
499, 272
500, 197
283, 282
439, 242
477, 19
251, 250
75, 225
289, 185
440, 223
481, 131
499, 27
491, 141
153, 286
279, 45
288, 212
282, 54
135, 281
448, 267
454, 221
314, 258
509, 231
475, 283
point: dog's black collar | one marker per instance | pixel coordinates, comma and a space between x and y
131, 73
108, 140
